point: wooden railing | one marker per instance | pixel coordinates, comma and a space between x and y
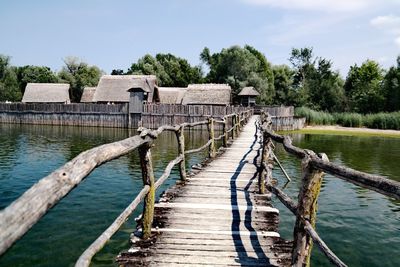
23, 213
313, 165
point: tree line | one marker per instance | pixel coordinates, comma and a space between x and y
307, 81
77, 73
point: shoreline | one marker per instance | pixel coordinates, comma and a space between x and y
340, 130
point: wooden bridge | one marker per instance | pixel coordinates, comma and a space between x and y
217, 217
220, 215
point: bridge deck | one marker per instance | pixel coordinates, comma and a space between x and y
216, 218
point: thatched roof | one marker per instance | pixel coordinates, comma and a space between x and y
114, 88
171, 95
207, 94
249, 91
46, 93
88, 94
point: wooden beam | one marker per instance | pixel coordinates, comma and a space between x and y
148, 179
46, 193
210, 126
180, 135
306, 210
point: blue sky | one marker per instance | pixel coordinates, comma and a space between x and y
114, 34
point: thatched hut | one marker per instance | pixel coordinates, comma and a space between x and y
248, 96
46, 93
114, 88
207, 94
88, 94
171, 95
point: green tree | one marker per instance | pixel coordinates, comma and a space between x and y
117, 72
363, 87
303, 63
171, 71
240, 67
9, 90
391, 88
283, 84
326, 88
79, 74
315, 84
34, 74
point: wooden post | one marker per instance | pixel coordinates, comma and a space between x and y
239, 121
234, 127
181, 150
264, 162
210, 126
237, 125
224, 129
148, 179
266, 157
306, 210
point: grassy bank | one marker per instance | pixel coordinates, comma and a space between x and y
374, 121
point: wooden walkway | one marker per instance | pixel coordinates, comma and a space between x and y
216, 218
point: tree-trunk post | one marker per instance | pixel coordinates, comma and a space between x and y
148, 179
239, 121
306, 210
181, 151
233, 126
210, 126
264, 161
266, 157
224, 129
237, 125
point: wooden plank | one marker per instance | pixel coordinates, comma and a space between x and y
216, 232
213, 207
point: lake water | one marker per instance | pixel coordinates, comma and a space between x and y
361, 226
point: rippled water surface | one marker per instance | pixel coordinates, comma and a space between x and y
361, 226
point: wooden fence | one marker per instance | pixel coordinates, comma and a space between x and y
23, 213
282, 117
103, 115
82, 114
314, 165
155, 115
80, 108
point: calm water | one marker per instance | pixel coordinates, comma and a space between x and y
361, 226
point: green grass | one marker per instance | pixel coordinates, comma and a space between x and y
374, 121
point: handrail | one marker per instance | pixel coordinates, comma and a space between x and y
23, 213
376, 183
305, 210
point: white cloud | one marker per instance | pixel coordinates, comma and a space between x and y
324, 5
389, 24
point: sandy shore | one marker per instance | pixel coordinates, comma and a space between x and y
349, 130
